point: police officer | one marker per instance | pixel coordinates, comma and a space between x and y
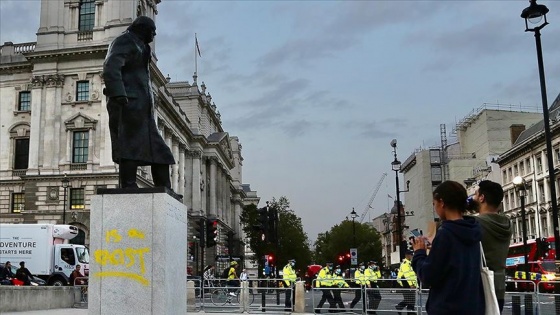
406, 272
289, 277
371, 274
360, 280
324, 282
338, 284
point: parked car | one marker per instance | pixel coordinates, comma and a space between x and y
34, 281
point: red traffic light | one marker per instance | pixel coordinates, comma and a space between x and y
270, 258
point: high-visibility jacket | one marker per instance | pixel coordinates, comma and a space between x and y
289, 275
372, 275
523, 275
359, 277
232, 274
324, 278
338, 281
405, 271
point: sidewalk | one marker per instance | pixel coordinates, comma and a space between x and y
80, 311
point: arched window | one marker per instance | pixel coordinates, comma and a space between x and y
80, 239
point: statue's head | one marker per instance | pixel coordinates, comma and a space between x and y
144, 27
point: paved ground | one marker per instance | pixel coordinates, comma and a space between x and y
74, 311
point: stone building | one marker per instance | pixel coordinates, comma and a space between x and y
527, 158
481, 137
54, 136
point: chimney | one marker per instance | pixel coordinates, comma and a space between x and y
515, 130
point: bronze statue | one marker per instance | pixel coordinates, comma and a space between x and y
135, 140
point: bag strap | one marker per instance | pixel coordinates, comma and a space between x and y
482, 257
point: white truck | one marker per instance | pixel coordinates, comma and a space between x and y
45, 250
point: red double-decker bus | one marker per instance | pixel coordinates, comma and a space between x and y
540, 256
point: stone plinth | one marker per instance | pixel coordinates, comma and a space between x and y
138, 253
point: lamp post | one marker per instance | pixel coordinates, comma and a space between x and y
65, 184
536, 14
521, 188
396, 167
353, 215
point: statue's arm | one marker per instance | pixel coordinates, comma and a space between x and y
116, 59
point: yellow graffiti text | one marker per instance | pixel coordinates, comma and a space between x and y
112, 236
121, 274
134, 233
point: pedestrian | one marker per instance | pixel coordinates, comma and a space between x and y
406, 278
338, 284
6, 274
452, 269
324, 283
359, 291
371, 274
23, 274
232, 278
135, 138
289, 277
76, 277
243, 276
496, 233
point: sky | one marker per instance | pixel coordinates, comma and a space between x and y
316, 90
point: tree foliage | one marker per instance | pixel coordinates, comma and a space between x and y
338, 240
293, 242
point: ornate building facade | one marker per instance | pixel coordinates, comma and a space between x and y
54, 135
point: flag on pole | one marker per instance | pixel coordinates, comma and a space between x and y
197, 48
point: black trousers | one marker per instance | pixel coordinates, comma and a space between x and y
289, 297
359, 293
337, 298
374, 297
409, 300
326, 297
127, 174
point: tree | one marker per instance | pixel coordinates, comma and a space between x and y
292, 242
338, 240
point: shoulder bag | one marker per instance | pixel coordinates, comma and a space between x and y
487, 277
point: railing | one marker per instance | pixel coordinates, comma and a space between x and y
85, 35
24, 47
78, 167
82, 283
18, 173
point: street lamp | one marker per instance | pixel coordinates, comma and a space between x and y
353, 215
65, 184
535, 14
396, 167
521, 188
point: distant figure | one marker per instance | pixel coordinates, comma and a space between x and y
135, 140
233, 279
6, 274
407, 279
23, 274
452, 269
496, 233
76, 277
243, 276
325, 283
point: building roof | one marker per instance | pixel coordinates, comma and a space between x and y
554, 111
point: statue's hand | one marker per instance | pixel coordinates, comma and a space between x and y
121, 100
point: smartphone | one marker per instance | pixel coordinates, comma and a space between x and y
417, 233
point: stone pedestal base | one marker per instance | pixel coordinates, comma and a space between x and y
138, 251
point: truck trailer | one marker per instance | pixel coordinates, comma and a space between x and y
45, 250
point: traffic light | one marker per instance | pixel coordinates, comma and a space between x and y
192, 249
211, 232
262, 223
230, 242
270, 259
199, 231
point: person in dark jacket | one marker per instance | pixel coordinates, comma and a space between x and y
135, 140
23, 274
452, 269
6, 274
496, 233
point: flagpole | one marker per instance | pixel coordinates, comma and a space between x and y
195, 58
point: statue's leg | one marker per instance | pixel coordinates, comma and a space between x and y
160, 174
127, 173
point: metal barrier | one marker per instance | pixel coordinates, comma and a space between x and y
195, 295
82, 283
548, 297
270, 296
521, 295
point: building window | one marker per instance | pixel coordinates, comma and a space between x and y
539, 165
87, 15
82, 91
528, 163
510, 173
18, 202
21, 156
506, 203
80, 147
504, 176
24, 103
529, 197
515, 170
541, 192
544, 224
77, 199
522, 168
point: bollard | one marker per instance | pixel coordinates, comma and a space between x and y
191, 296
263, 299
516, 305
277, 292
244, 298
299, 300
528, 304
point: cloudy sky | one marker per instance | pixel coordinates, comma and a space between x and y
316, 90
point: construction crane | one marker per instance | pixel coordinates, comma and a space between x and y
372, 197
